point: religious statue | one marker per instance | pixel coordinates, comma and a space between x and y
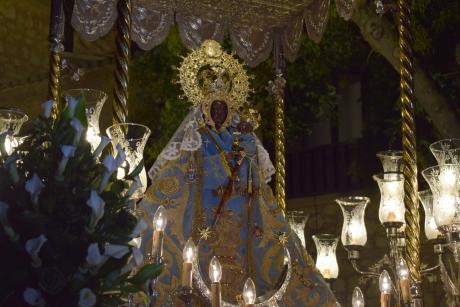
212, 178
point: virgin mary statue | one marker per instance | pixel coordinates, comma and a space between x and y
212, 181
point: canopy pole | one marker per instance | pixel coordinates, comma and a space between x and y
122, 59
56, 37
409, 151
276, 88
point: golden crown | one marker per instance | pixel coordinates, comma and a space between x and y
211, 72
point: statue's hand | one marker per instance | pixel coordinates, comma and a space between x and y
245, 127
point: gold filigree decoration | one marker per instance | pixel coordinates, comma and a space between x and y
168, 185
282, 238
205, 233
210, 70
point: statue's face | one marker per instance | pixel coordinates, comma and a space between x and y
219, 113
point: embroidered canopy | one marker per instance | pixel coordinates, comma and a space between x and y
254, 26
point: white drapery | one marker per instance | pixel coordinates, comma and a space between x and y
254, 26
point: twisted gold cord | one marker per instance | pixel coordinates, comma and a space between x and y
123, 54
54, 80
409, 142
280, 162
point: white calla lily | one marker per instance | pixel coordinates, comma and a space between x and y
34, 186
110, 167
102, 144
32, 296
33, 247
135, 185
115, 250
68, 151
4, 222
121, 156
71, 105
87, 298
137, 256
47, 107
94, 257
136, 242
140, 226
78, 127
97, 205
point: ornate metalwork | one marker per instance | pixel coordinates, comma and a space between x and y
409, 147
209, 70
122, 59
276, 88
56, 49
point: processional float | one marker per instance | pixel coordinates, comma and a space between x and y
256, 30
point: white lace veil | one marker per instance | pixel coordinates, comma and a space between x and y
187, 138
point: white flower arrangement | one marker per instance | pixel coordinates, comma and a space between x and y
33, 247
64, 227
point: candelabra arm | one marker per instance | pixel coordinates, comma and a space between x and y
430, 270
354, 264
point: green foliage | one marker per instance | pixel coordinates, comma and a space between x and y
61, 214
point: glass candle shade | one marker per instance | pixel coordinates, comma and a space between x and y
444, 182
446, 151
431, 229
385, 282
391, 161
354, 228
326, 259
391, 208
11, 121
357, 299
215, 270
94, 101
297, 221
249, 292
132, 138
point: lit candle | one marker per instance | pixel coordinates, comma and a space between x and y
93, 138
444, 209
357, 233
385, 289
403, 274
215, 274
357, 298
447, 178
249, 293
159, 224
188, 254
326, 260
10, 144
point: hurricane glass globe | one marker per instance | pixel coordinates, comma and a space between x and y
354, 234
431, 229
326, 259
446, 151
391, 161
297, 220
132, 138
94, 102
11, 121
444, 182
391, 209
